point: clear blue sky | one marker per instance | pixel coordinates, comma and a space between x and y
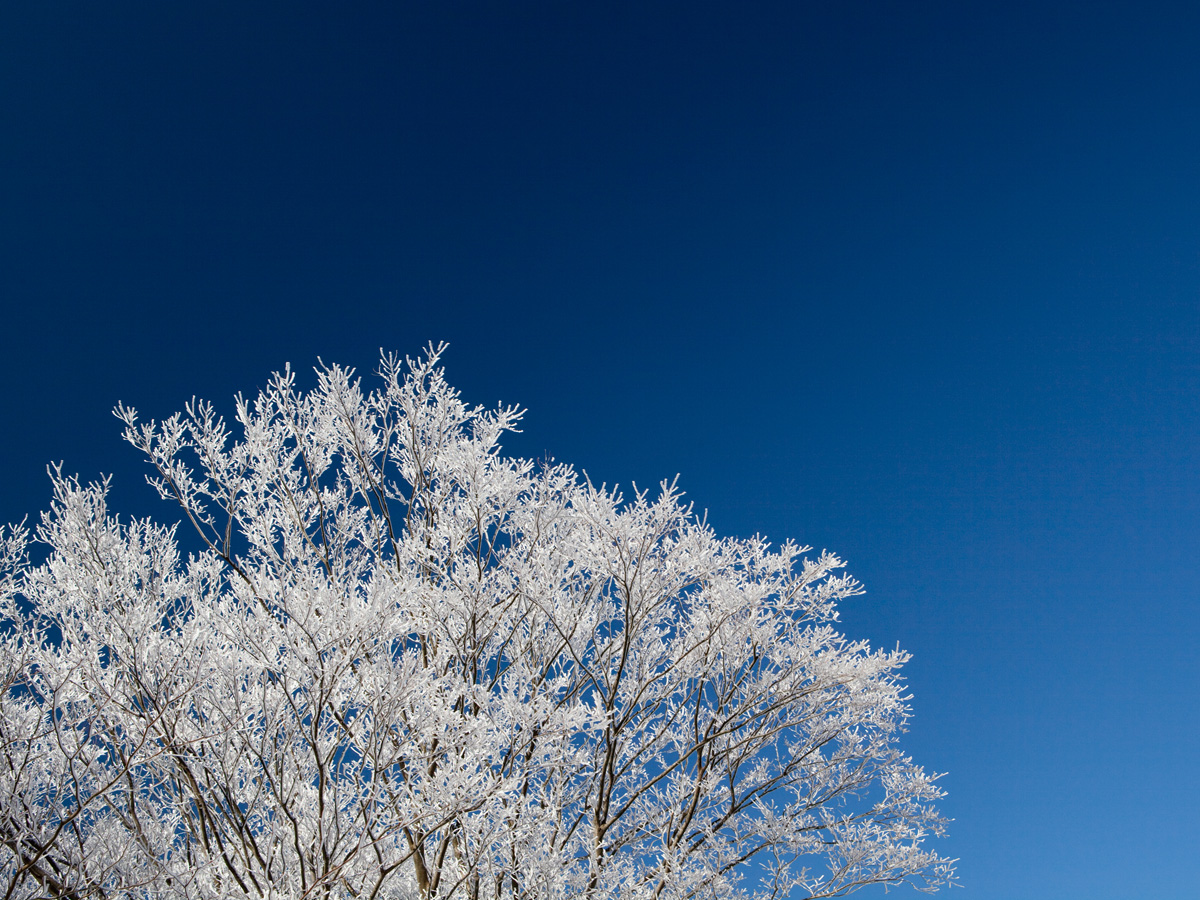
916, 282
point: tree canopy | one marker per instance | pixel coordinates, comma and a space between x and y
405, 665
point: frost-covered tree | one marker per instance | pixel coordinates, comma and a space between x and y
405, 665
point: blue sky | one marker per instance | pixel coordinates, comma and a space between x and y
919, 283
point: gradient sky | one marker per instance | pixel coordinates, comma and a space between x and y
916, 282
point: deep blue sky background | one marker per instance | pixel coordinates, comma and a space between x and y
916, 282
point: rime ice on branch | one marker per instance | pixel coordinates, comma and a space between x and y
406, 665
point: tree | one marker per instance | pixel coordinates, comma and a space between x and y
405, 665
